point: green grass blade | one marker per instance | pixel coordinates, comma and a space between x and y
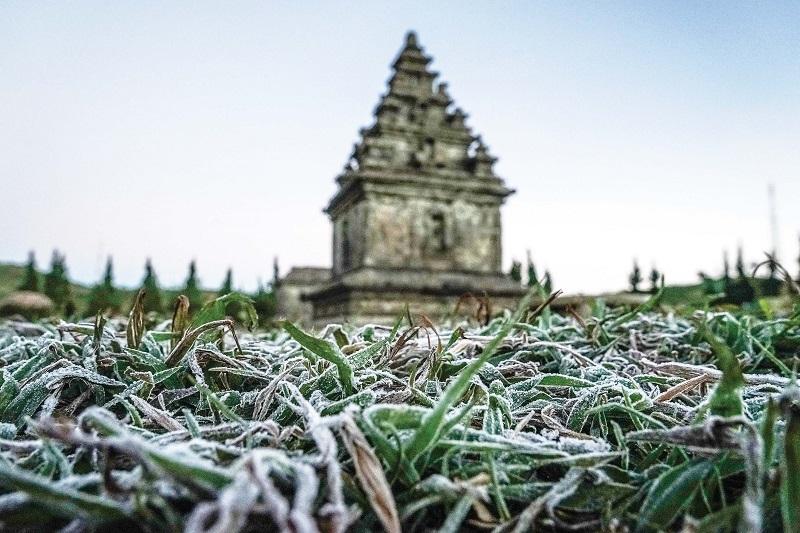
790, 462
61, 500
325, 350
433, 422
672, 492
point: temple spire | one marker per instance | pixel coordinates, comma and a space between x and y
417, 127
412, 56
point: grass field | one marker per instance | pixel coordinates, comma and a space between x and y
627, 420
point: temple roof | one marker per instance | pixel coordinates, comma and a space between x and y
302, 275
417, 129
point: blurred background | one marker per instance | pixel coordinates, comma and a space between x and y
192, 131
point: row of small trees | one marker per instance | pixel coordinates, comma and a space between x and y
635, 279
532, 279
738, 288
56, 284
108, 298
743, 286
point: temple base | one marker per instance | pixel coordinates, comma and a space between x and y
379, 296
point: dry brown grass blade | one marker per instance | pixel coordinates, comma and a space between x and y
402, 340
180, 320
191, 336
680, 388
463, 299
162, 418
686, 370
426, 324
264, 398
483, 309
483, 314
135, 328
787, 278
578, 318
370, 474
550, 299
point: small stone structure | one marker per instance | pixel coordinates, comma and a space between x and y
291, 291
416, 218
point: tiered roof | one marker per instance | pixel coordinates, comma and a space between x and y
418, 131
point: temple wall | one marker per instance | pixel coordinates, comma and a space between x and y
349, 239
292, 289
385, 308
290, 304
416, 232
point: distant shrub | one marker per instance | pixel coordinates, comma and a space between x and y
56, 284
635, 278
104, 297
31, 280
516, 271
152, 301
191, 289
28, 304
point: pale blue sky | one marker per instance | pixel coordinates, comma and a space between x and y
213, 131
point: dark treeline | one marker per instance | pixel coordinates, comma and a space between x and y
737, 285
107, 298
744, 284
741, 286
532, 279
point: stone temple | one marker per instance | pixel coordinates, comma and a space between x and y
416, 217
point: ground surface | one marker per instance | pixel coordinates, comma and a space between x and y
621, 421
11, 276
